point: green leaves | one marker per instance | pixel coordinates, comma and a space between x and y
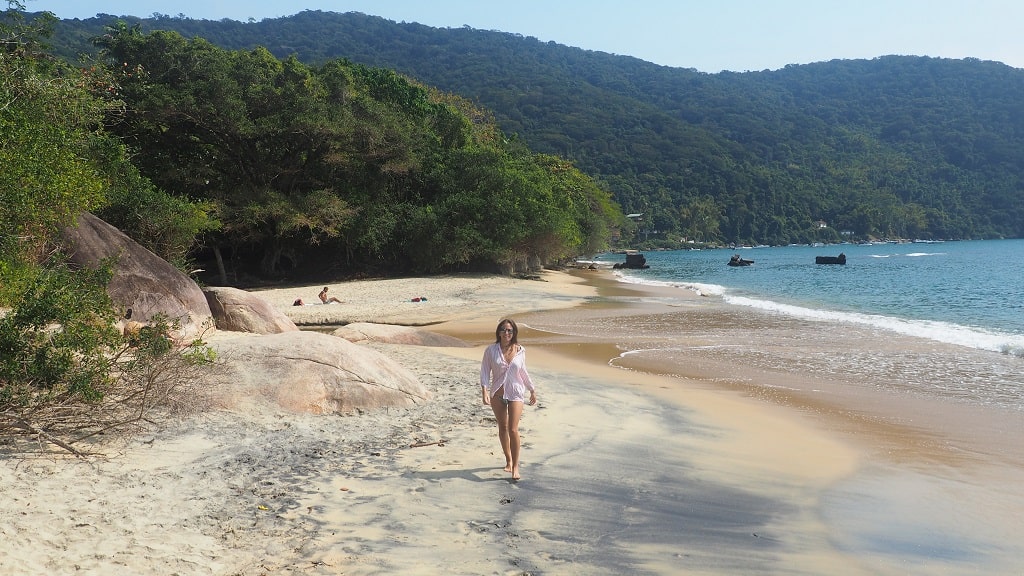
343, 159
45, 143
58, 337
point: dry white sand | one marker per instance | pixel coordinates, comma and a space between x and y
623, 473
425, 301
264, 491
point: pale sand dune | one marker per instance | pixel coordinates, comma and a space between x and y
623, 473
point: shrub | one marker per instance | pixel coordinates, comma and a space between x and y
67, 373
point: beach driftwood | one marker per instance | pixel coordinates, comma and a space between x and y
422, 444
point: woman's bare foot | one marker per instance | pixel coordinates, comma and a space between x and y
508, 467
515, 473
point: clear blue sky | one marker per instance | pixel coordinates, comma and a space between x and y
709, 35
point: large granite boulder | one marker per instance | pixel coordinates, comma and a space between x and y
391, 334
310, 372
240, 311
143, 282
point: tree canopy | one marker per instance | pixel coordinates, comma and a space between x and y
342, 163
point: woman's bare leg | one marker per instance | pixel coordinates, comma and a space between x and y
515, 412
501, 415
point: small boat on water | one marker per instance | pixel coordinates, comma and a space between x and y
737, 261
841, 259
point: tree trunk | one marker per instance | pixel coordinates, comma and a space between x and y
271, 259
221, 271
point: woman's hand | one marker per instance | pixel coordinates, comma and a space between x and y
487, 397
533, 397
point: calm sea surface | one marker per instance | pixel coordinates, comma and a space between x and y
916, 350
944, 320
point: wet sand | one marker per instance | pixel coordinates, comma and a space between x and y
916, 485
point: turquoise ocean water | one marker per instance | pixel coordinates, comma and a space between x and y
956, 309
915, 350
966, 293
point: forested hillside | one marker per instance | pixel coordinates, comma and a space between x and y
909, 147
259, 168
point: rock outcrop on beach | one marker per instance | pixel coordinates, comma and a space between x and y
391, 334
311, 372
143, 282
262, 355
240, 311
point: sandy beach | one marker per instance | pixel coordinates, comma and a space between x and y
624, 472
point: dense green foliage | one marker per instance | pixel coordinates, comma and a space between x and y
65, 370
67, 373
342, 167
47, 179
58, 161
40, 363
894, 146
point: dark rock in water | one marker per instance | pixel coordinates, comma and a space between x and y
633, 261
737, 261
841, 259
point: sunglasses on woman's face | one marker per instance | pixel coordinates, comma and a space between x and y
506, 330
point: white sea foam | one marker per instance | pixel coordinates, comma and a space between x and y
699, 288
946, 332
908, 255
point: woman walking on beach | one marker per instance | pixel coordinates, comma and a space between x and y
504, 380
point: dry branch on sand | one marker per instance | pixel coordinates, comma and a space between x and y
149, 375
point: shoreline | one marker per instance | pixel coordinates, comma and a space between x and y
624, 471
914, 479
